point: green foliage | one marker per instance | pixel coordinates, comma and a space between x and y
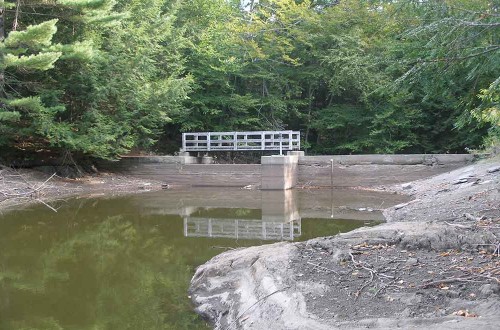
10, 116
42, 61
354, 76
489, 112
106, 84
35, 37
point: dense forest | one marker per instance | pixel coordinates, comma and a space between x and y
99, 78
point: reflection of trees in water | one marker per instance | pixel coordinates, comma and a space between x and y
120, 276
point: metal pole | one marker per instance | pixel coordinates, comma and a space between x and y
331, 173
331, 185
281, 145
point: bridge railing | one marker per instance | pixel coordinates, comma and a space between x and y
241, 141
242, 228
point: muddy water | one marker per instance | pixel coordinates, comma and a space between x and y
126, 262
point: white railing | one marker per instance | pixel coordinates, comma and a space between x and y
241, 141
242, 229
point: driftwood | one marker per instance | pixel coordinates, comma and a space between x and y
20, 190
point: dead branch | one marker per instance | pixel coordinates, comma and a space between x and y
358, 293
470, 217
322, 268
450, 280
31, 190
360, 265
257, 302
50, 207
458, 225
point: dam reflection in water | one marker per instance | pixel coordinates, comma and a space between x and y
257, 215
279, 219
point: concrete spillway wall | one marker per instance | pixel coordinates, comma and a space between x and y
370, 170
177, 170
284, 172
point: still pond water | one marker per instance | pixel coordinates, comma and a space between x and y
126, 262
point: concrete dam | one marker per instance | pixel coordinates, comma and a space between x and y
281, 172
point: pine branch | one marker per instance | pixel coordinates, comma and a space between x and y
457, 59
470, 23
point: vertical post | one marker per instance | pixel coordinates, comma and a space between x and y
184, 142
262, 140
208, 141
331, 173
281, 144
331, 185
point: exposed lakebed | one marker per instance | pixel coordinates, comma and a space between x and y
126, 262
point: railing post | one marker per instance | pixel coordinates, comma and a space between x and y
208, 141
281, 144
183, 141
290, 147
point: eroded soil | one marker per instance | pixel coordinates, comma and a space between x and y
383, 281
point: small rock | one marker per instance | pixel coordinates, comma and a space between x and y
493, 169
489, 289
452, 294
412, 261
406, 186
406, 313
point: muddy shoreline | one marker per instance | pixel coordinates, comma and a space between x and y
435, 263
24, 187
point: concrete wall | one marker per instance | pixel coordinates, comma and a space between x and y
414, 159
172, 170
279, 172
370, 170
284, 172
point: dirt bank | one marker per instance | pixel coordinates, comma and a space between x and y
24, 186
434, 264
